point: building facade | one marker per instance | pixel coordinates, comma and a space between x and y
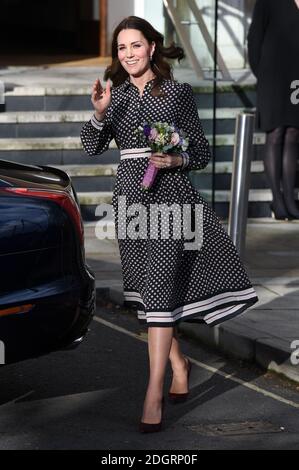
86, 26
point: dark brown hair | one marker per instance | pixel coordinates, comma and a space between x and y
160, 67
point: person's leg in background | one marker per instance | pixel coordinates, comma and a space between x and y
289, 168
273, 169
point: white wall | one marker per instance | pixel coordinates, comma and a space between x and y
151, 10
153, 13
117, 11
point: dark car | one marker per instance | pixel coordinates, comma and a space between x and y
47, 291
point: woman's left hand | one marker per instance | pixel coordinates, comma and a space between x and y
163, 160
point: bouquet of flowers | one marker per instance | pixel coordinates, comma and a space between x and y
161, 137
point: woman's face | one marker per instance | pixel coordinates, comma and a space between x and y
134, 51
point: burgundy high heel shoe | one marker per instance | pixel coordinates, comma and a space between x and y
152, 427
176, 398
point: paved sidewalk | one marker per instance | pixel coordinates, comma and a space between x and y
265, 332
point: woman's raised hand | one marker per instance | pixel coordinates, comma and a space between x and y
100, 98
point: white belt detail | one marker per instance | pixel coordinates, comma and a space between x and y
144, 152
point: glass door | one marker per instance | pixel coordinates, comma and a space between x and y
191, 24
213, 35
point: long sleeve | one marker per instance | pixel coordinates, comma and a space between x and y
256, 33
198, 153
96, 135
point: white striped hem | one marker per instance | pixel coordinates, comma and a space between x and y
143, 152
222, 313
219, 314
96, 123
197, 307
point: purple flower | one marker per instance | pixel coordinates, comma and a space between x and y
147, 130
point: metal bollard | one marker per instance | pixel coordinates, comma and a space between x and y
238, 209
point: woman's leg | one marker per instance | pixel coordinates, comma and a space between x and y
179, 366
159, 345
290, 158
273, 167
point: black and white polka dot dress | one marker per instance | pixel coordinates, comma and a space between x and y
168, 279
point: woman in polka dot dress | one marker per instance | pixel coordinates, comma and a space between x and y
169, 280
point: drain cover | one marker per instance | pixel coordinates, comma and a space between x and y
231, 429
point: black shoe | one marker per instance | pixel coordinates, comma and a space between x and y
152, 427
279, 213
292, 210
176, 398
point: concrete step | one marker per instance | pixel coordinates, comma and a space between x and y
42, 123
258, 205
69, 123
50, 117
109, 169
76, 97
34, 91
102, 176
38, 117
68, 150
199, 180
255, 195
74, 143
58, 156
48, 98
69, 156
73, 128
46, 143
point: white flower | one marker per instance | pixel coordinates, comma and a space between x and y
175, 139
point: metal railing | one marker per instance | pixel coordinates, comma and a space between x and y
186, 43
